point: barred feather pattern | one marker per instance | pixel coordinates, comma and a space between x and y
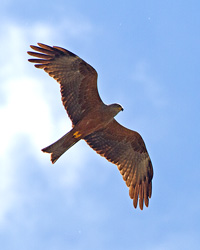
128, 152
78, 80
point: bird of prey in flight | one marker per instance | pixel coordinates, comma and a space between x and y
93, 121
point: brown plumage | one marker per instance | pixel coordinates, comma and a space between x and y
94, 121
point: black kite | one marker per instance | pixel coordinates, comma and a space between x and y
94, 121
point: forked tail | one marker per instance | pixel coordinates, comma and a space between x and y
61, 146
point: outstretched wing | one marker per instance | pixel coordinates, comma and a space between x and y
78, 80
127, 150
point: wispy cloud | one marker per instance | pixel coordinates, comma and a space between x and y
149, 85
25, 110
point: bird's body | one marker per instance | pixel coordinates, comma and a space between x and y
88, 125
93, 121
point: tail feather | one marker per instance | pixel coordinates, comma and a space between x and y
60, 146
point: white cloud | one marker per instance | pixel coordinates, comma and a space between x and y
25, 111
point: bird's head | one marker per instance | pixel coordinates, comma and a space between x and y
118, 107
115, 108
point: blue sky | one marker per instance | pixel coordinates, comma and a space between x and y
147, 57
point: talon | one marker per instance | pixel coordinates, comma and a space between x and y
77, 134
